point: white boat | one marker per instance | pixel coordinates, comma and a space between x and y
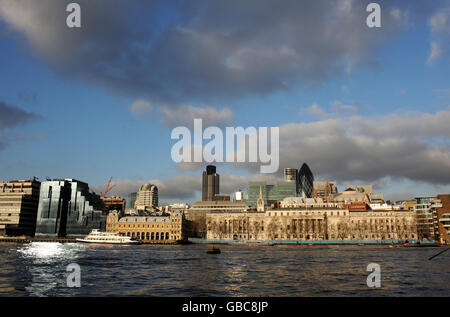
99, 237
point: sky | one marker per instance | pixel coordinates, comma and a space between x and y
357, 104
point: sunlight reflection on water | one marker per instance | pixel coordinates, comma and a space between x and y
39, 269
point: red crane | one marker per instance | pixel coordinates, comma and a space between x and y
108, 188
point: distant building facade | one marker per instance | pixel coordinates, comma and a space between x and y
18, 207
426, 215
443, 218
131, 200
67, 208
114, 203
196, 213
164, 228
324, 189
147, 197
210, 183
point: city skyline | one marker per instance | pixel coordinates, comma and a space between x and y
364, 106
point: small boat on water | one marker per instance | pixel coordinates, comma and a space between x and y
99, 237
213, 250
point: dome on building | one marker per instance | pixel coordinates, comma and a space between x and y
147, 186
146, 197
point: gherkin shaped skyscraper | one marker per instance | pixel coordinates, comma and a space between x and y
305, 181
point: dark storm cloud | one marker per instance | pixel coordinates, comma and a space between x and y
182, 187
413, 146
11, 117
191, 50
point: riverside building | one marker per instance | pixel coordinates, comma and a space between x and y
158, 229
196, 214
291, 224
426, 215
18, 207
443, 218
300, 219
67, 208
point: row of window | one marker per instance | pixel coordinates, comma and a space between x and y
152, 235
173, 226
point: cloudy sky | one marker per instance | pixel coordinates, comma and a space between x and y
358, 104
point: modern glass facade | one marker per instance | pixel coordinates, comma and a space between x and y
132, 200
271, 193
67, 208
305, 181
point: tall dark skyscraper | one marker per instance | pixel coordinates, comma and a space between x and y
305, 181
210, 183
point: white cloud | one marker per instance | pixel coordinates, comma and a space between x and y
140, 107
439, 25
435, 53
344, 109
339, 109
184, 115
314, 110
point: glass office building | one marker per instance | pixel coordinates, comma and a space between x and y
271, 193
67, 208
305, 182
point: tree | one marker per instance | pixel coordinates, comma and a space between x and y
255, 229
343, 229
273, 228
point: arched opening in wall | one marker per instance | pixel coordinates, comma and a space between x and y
157, 236
162, 235
147, 236
152, 236
167, 236
235, 237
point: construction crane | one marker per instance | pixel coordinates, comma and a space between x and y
108, 188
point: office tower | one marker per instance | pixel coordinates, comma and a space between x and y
132, 200
210, 183
18, 207
305, 181
324, 189
290, 174
147, 197
271, 193
68, 208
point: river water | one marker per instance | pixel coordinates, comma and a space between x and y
39, 269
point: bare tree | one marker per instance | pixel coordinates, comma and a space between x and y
273, 227
255, 229
343, 229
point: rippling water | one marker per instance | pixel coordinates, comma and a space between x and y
39, 269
